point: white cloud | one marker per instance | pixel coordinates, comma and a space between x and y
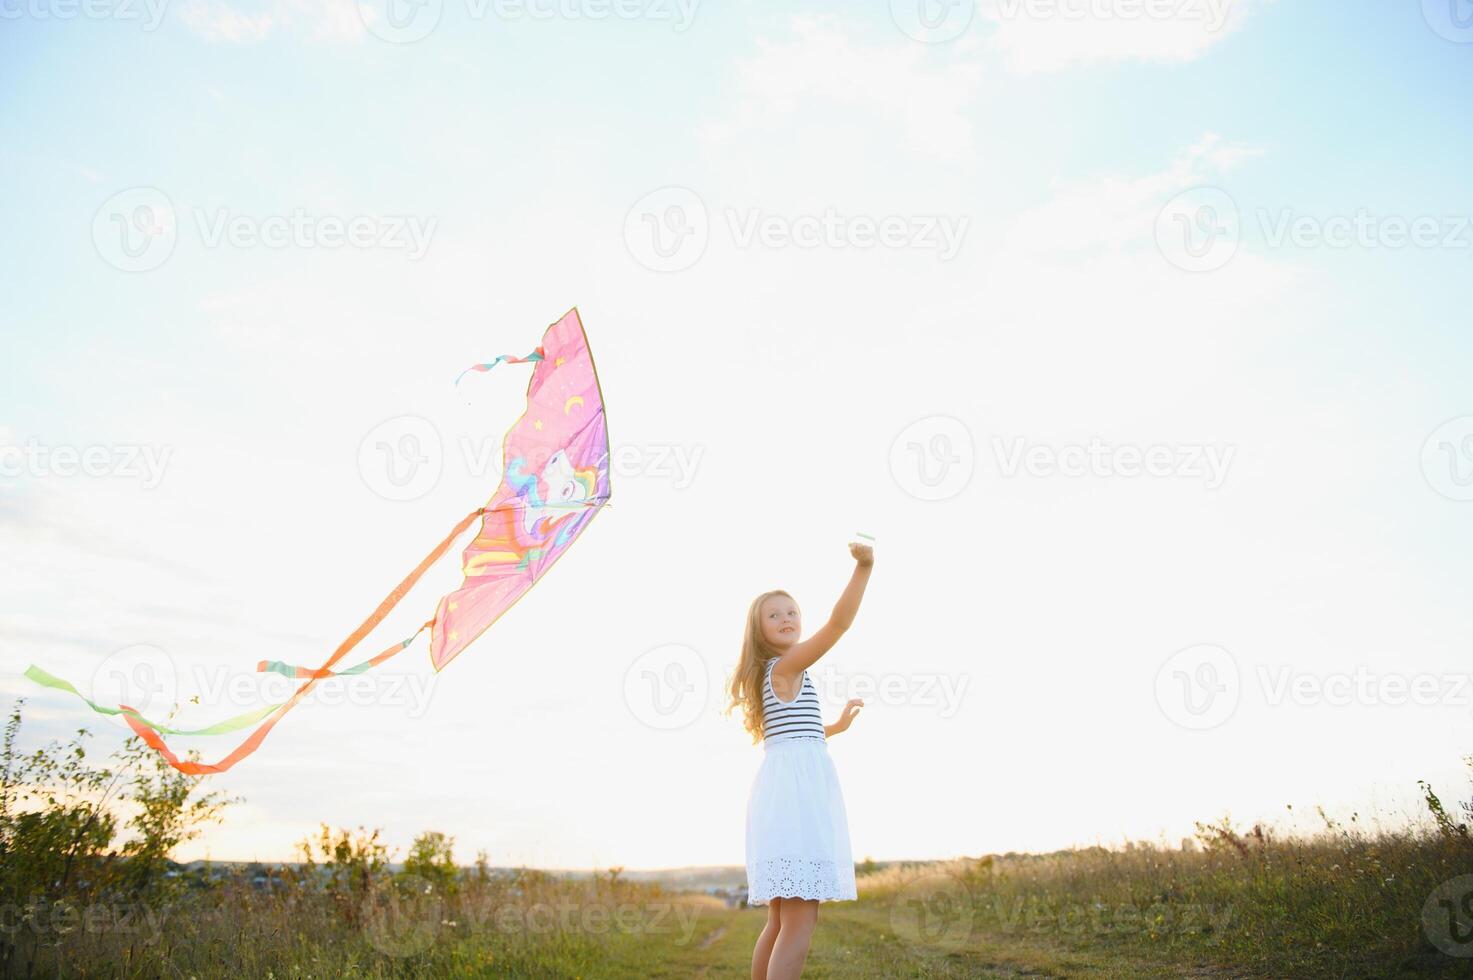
820, 67
1113, 212
215, 20
318, 20
328, 20
1049, 35
1083, 269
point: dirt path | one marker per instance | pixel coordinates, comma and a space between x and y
858, 941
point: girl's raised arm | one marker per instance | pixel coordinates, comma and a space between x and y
805, 653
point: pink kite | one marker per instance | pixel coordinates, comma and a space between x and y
555, 479
556, 476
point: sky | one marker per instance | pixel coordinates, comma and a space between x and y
1135, 332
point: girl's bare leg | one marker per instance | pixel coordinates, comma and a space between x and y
763, 950
797, 918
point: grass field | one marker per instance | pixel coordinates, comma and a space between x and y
1345, 902
1326, 908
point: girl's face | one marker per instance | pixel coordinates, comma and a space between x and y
781, 622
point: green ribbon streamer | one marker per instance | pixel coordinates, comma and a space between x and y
290, 670
228, 725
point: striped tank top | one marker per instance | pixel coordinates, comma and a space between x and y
783, 721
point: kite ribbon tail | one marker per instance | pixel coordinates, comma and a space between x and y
253, 741
298, 673
537, 355
45, 679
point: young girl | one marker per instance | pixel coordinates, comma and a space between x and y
797, 833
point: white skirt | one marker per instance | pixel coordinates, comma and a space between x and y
797, 832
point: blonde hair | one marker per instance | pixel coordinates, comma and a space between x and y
745, 686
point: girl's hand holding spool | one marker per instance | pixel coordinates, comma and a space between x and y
863, 553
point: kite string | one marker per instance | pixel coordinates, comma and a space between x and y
253, 741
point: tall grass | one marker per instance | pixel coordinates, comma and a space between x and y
1343, 902
301, 923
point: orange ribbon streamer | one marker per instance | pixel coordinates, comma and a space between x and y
253, 741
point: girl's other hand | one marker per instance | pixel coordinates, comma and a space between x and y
863, 553
851, 710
